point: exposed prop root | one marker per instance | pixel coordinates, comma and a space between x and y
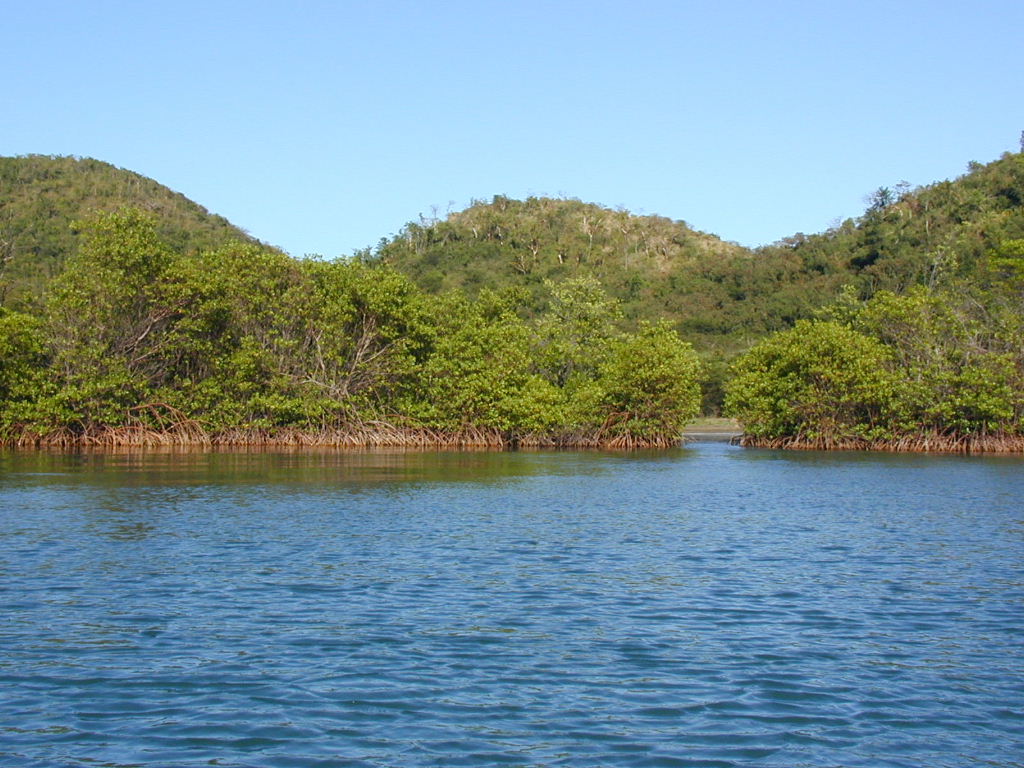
186, 433
933, 442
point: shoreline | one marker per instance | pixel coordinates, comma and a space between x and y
964, 445
375, 436
383, 436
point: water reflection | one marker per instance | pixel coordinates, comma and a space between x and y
301, 467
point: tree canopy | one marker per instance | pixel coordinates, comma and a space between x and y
243, 342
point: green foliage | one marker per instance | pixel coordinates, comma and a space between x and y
241, 311
718, 295
651, 383
477, 374
575, 331
40, 197
956, 373
652, 265
269, 341
569, 371
367, 329
819, 379
931, 236
105, 321
137, 335
544, 316
947, 363
1006, 261
22, 366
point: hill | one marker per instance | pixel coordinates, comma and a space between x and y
652, 264
936, 233
40, 197
720, 295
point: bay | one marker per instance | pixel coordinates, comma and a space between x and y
709, 606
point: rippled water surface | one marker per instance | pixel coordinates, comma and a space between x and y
711, 606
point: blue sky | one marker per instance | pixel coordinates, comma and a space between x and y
321, 127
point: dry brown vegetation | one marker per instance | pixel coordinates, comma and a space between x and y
925, 443
189, 434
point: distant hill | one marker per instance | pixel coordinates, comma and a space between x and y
40, 196
721, 296
656, 266
940, 232
540, 238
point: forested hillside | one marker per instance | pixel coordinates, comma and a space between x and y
638, 259
41, 196
919, 237
720, 295
717, 293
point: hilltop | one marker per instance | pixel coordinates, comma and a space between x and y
41, 195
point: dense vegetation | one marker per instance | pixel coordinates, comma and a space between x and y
532, 322
719, 295
139, 343
940, 367
917, 237
926, 349
40, 197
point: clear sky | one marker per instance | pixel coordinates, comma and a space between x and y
321, 127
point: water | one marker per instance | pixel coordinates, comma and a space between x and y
711, 606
